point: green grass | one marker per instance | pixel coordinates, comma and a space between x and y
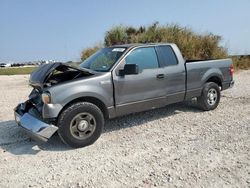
15, 71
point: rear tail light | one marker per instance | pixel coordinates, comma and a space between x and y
231, 69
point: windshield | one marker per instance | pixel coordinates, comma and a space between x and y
103, 59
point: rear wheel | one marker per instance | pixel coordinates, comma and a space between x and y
81, 124
210, 96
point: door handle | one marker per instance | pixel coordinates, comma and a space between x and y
160, 76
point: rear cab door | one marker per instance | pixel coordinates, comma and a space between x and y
173, 66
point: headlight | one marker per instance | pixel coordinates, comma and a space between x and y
46, 98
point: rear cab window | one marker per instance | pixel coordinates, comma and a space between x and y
166, 56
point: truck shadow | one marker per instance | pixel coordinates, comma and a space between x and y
140, 118
15, 141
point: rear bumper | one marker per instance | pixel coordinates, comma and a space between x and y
231, 84
227, 85
34, 127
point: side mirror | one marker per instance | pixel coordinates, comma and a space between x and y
129, 69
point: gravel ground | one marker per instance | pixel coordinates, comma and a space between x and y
176, 146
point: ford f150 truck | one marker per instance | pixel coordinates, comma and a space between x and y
116, 81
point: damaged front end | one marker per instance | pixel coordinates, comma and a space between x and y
33, 115
28, 116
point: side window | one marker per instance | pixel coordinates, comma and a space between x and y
166, 56
145, 58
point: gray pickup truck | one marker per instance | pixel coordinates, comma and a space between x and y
116, 81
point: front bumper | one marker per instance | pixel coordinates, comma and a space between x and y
35, 127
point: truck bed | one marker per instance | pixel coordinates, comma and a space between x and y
199, 70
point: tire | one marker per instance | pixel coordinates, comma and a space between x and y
210, 96
80, 124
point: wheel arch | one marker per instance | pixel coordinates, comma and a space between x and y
216, 79
212, 75
100, 104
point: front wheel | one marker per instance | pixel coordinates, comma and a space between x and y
80, 124
210, 96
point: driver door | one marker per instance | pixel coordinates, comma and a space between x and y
142, 91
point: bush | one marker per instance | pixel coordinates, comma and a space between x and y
89, 51
116, 35
241, 62
192, 45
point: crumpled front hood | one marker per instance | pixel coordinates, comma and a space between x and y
44, 72
38, 76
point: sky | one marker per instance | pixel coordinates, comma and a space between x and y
60, 29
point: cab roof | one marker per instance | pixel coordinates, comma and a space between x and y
132, 45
